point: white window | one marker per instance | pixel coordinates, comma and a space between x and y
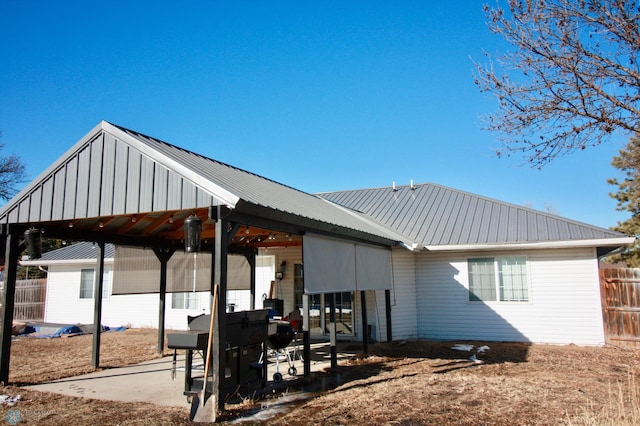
87, 281
187, 300
498, 279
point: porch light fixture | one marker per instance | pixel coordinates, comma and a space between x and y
192, 232
280, 272
33, 240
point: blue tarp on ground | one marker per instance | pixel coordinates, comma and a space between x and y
49, 332
42, 332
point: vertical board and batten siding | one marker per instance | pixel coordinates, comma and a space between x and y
107, 177
564, 305
135, 310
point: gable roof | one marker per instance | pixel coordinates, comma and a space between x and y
121, 183
118, 174
442, 218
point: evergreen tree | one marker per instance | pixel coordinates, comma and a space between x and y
628, 197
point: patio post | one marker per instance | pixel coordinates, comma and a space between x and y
97, 305
7, 295
220, 278
365, 325
387, 303
163, 256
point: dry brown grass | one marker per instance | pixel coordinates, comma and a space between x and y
399, 384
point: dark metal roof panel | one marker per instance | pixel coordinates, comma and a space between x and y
434, 215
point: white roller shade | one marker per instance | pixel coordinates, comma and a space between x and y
373, 268
333, 266
137, 270
329, 265
238, 273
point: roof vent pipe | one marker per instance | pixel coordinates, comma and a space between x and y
412, 187
394, 189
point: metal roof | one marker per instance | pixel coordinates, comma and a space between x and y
77, 251
434, 215
120, 182
240, 185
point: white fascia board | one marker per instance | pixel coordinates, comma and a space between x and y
217, 191
603, 242
79, 262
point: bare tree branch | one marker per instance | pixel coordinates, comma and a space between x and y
12, 175
572, 80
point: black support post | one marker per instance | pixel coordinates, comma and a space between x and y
220, 278
365, 325
7, 295
163, 256
251, 258
387, 305
97, 305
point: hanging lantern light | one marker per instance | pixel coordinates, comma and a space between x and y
33, 239
192, 232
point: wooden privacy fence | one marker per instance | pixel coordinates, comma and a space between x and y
29, 300
620, 293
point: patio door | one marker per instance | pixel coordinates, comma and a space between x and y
319, 311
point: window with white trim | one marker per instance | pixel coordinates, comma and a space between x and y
186, 300
502, 278
87, 281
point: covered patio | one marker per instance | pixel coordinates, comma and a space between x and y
122, 187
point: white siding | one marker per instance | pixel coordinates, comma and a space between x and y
564, 304
404, 319
284, 287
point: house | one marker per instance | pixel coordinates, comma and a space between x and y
482, 270
416, 261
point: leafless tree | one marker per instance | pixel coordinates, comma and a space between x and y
572, 80
12, 174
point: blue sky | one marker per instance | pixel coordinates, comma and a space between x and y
321, 96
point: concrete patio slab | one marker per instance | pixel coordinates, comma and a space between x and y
152, 382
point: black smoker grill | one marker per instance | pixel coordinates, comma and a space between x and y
246, 333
